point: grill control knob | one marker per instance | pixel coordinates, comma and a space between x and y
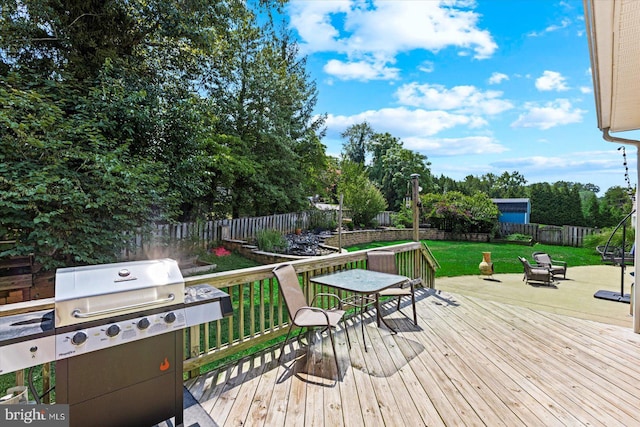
33, 349
143, 323
78, 338
113, 330
170, 317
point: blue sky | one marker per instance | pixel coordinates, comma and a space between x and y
478, 87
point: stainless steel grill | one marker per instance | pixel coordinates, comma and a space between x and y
116, 334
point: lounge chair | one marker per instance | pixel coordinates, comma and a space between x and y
385, 262
307, 316
557, 267
536, 274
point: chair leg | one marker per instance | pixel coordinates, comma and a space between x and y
413, 302
335, 354
378, 315
346, 331
285, 342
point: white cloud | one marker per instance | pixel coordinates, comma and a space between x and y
405, 123
497, 78
426, 67
551, 80
360, 70
551, 28
312, 21
586, 89
556, 113
584, 161
472, 145
380, 30
462, 99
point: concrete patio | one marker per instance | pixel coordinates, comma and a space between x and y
571, 297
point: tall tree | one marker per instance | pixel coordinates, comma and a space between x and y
357, 138
392, 166
510, 185
264, 97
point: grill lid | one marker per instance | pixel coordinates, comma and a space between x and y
100, 291
103, 279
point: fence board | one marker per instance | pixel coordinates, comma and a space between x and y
567, 235
202, 234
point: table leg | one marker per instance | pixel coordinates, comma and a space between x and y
381, 318
362, 321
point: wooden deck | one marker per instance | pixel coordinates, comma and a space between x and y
469, 362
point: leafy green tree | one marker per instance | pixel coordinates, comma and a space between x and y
361, 196
459, 213
265, 98
357, 139
543, 207
473, 184
444, 184
484, 213
68, 193
591, 210
615, 205
392, 166
510, 185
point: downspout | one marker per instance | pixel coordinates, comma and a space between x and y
635, 296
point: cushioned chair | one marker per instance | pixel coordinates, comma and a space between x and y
557, 267
536, 274
385, 262
307, 316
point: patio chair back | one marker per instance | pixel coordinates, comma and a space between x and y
557, 267
382, 261
542, 259
385, 262
290, 288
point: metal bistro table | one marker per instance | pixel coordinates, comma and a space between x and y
363, 284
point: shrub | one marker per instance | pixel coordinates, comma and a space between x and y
517, 237
402, 219
322, 220
454, 211
361, 196
600, 239
270, 241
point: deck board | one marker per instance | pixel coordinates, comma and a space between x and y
470, 361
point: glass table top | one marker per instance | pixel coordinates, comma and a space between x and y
359, 280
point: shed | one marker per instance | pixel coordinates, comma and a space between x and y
513, 210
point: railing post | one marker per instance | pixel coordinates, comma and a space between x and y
415, 200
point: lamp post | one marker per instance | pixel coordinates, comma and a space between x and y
415, 198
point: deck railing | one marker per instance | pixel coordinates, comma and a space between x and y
259, 313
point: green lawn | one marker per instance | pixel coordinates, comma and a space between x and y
462, 258
232, 261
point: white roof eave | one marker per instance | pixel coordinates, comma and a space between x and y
613, 30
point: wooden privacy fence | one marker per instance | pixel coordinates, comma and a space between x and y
202, 233
566, 235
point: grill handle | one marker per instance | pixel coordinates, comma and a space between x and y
79, 315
